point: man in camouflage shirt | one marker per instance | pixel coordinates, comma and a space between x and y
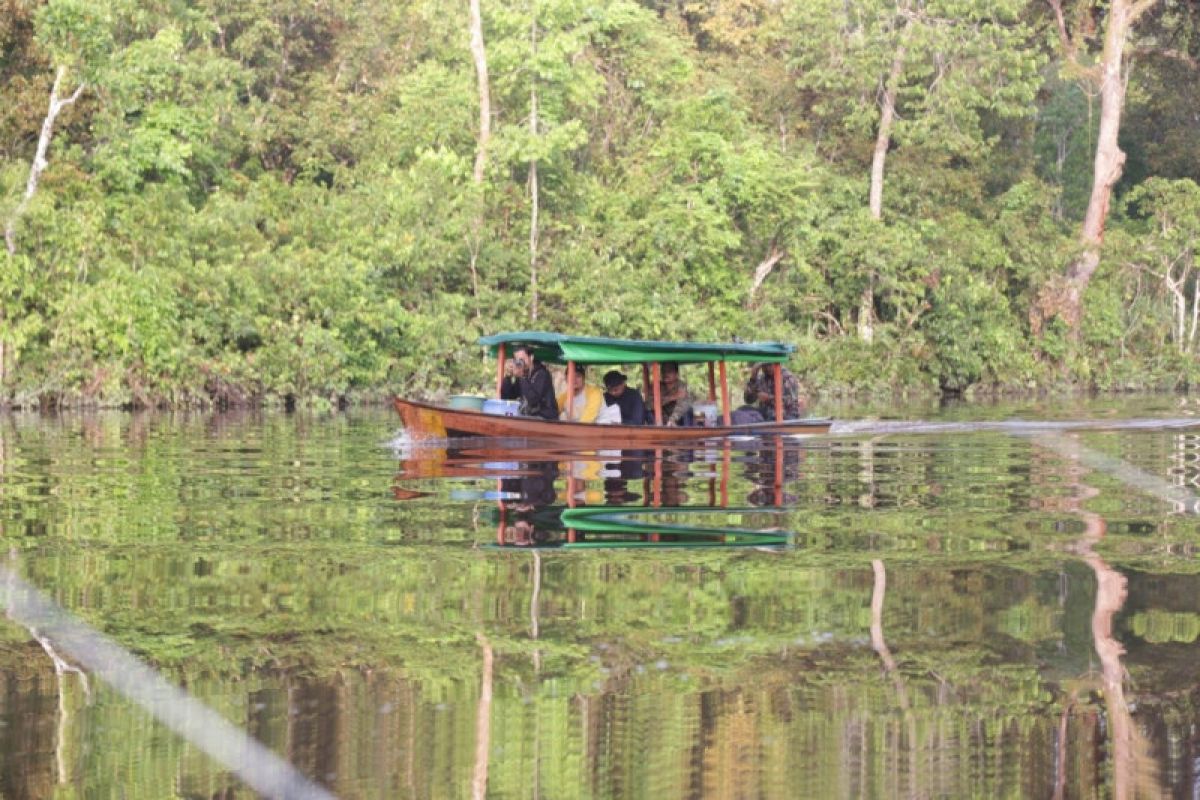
760, 392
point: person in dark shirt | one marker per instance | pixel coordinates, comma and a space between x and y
527, 379
760, 392
633, 407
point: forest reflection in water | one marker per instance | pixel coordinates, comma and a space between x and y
940, 615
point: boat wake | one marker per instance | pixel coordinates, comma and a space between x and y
403, 445
1016, 427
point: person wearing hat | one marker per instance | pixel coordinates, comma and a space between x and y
629, 400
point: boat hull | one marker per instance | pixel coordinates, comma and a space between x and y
424, 420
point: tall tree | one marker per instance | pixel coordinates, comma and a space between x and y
38, 165
479, 56
923, 77
883, 140
56, 105
76, 36
1108, 77
544, 84
533, 168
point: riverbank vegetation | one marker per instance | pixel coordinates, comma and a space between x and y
318, 201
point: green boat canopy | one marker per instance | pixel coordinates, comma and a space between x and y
557, 348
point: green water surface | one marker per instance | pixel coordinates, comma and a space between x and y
932, 614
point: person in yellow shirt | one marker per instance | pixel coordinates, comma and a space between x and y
587, 402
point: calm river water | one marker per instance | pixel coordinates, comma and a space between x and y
964, 602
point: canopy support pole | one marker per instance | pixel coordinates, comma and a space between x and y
778, 470
658, 474
646, 383
570, 389
656, 387
726, 417
712, 383
500, 355
778, 370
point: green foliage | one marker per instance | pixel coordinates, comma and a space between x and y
274, 201
1065, 132
1159, 626
76, 33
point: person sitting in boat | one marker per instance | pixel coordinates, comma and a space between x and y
760, 392
588, 400
617, 393
676, 399
746, 415
527, 379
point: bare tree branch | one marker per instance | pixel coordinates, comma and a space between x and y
763, 270
1139, 8
832, 320
1064, 36
1169, 53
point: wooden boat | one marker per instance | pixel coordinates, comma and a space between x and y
424, 419
430, 420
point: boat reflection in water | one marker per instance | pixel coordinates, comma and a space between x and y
617, 498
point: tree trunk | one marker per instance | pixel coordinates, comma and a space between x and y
883, 138
1191, 340
479, 54
1180, 315
39, 164
887, 115
533, 178
533, 240
36, 168
1110, 159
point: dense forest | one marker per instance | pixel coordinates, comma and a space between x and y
319, 201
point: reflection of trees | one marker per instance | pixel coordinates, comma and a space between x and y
866, 474
1134, 769
380, 678
878, 643
772, 465
483, 721
880, 646
367, 662
60, 665
30, 741
3, 468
